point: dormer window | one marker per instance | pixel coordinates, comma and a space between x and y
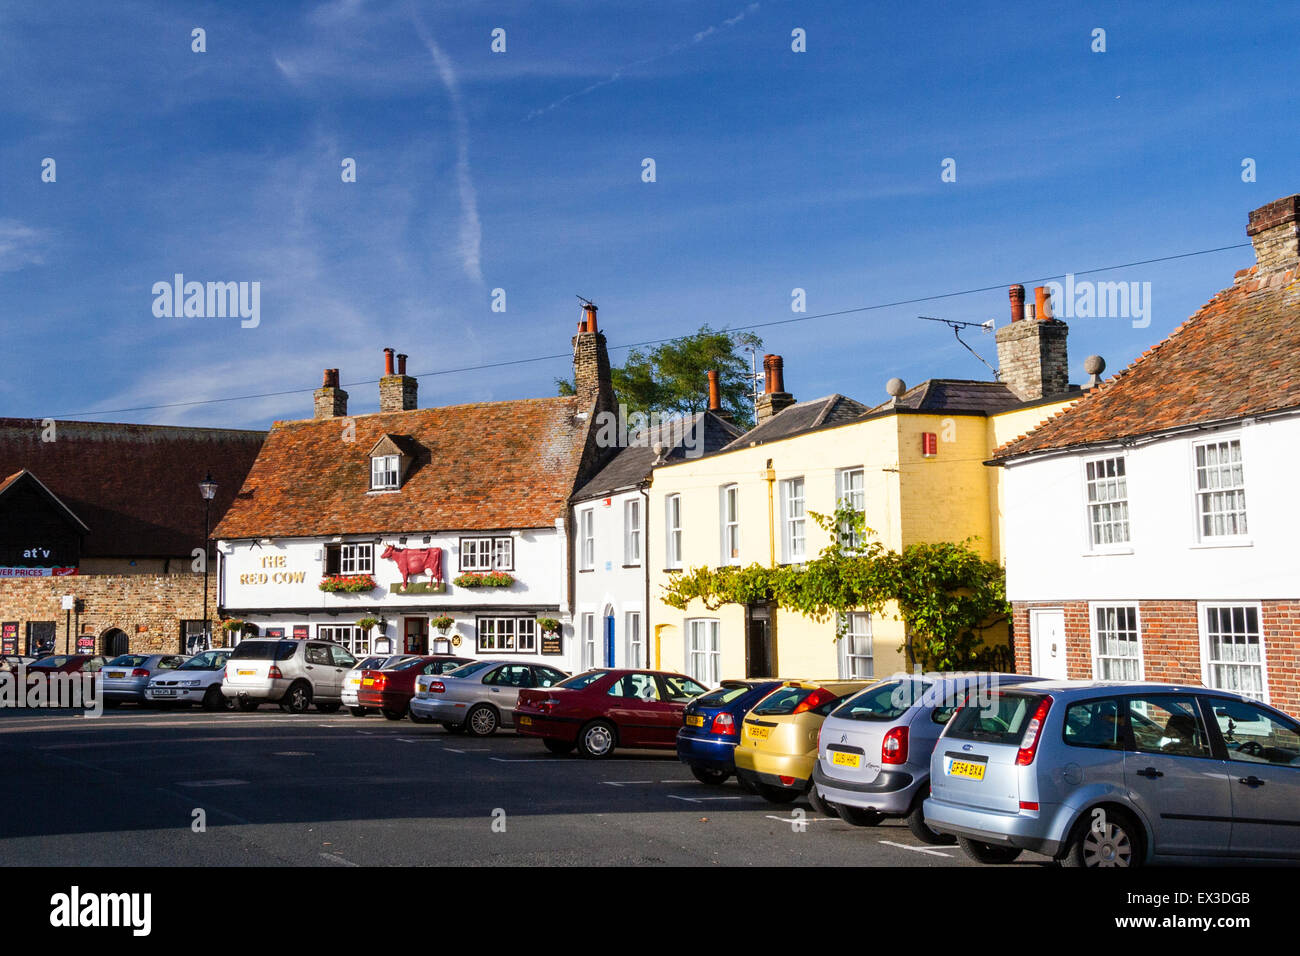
385, 472
391, 459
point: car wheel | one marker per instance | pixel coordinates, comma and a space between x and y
987, 852
859, 817
560, 747
775, 794
921, 830
597, 740
482, 721
453, 728
820, 804
297, 699
213, 699
358, 711
246, 704
709, 776
394, 714
1110, 840
328, 708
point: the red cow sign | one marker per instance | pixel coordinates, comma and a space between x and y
416, 561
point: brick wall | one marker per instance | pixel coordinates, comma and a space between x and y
1171, 643
148, 607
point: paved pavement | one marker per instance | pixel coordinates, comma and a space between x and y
335, 790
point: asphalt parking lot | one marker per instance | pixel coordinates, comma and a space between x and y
314, 790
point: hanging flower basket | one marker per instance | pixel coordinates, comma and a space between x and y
349, 583
231, 625
442, 623
488, 579
549, 625
366, 623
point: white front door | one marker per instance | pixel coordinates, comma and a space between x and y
1047, 642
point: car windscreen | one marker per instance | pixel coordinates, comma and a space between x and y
127, 660
885, 701
579, 681
406, 665
722, 697
465, 670
57, 661
999, 719
207, 661
264, 651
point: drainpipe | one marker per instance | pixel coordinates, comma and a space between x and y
769, 475
646, 629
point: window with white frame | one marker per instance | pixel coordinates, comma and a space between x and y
635, 641
385, 471
1220, 489
1107, 502
730, 513
673, 530
487, 554
1117, 650
857, 658
357, 559
793, 520
355, 639
851, 492
632, 531
588, 641
703, 650
586, 539
1232, 646
497, 634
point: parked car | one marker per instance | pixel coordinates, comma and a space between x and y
11, 662
1118, 774
197, 681
599, 710
352, 680
390, 690
293, 673
68, 664
778, 743
706, 741
479, 697
125, 677
873, 753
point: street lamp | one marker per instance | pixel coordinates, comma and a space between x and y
208, 489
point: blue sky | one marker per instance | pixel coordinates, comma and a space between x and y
522, 171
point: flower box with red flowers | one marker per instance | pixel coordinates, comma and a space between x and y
348, 583
486, 579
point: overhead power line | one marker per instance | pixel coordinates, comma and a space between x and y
635, 345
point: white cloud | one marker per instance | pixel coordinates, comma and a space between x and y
20, 245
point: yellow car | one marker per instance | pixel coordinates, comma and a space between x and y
778, 740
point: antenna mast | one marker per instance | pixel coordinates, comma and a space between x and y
956, 330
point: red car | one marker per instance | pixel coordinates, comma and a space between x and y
602, 709
391, 690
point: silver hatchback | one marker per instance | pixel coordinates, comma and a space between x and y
478, 697
1098, 773
126, 676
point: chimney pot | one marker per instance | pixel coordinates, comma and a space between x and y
715, 401
388, 361
589, 308
1042, 303
401, 364
778, 374
1017, 293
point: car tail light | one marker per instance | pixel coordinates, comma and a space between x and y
1028, 805
787, 781
818, 697
275, 673
546, 706
139, 672
724, 723
436, 687
381, 681
1033, 733
894, 748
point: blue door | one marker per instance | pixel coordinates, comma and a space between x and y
609, 641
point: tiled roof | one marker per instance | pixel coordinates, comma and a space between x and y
134, 486
955, 395
12, 482
802, 417
1238, 356
633, 464
487, 466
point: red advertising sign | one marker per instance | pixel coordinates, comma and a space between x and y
300, 632
9, 637
274, 632
85, 643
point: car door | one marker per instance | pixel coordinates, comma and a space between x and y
1174, 776
633, 702
677, 692
503, 686
1263, 751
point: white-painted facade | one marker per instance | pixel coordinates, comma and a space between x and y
609, 615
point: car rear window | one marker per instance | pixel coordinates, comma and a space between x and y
885, 701
1002, 719
465, 670
51, 661
784, 700
264, 651
722, 697
1093, 723
579, 681
128, 660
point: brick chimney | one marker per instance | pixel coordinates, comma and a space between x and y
397, 390
330, 400
774, 397
1274, 231
715, 398
1032, 358
591, 377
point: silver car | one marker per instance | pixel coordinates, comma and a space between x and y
1099, 773
292, 673
126, 676
352, 679
197, 681
873, 754
478, 697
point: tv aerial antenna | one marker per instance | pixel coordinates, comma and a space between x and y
956, 330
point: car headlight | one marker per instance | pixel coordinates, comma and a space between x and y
190, 683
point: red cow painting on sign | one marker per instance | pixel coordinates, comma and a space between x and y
417, 561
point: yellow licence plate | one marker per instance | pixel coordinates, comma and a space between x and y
758, 733
116, 674
367, 682
966, 768
841, 759
355, 681
525, 721
247, 673
694, 720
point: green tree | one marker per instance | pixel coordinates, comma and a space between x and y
672, 378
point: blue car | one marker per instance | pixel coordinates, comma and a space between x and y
711, 727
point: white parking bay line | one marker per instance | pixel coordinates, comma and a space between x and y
517, 759
792, 820
673, 796
916, 849
335, 858
213, 783
624, 783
